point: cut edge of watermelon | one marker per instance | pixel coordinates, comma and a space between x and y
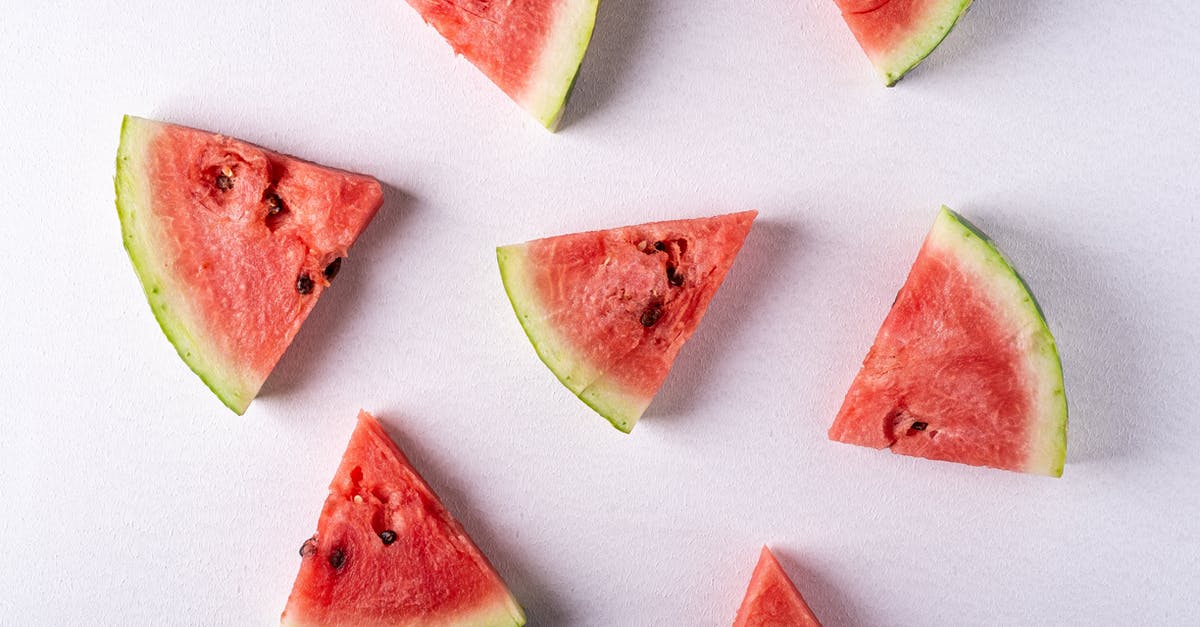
1048, 442
171, 311
920, 42
571, 370
553, 78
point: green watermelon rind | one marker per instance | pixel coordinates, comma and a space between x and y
921, 42
132, 200
622, 410
970, 245
559, 62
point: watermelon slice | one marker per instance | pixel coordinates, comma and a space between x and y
233, 244
532, 49
899, 34
388, 553
608, 311
964, 368
772, 600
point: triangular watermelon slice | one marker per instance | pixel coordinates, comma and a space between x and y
899, 34
608, 311
532, 49
772, 600
964, 368
233, 244
388, 553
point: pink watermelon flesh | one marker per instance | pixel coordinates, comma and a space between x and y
608, 311
532, 49
772, 600
388, 553
896, 35
964, 368
233, 244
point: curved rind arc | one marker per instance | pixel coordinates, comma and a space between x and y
892, 65
1049, 443
554, 78
132, 198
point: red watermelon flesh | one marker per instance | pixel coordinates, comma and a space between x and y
233, 244
532, 49
772, 600
896, 35
387, 553
964, 368
608, 311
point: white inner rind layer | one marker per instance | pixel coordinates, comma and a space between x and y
167, 301
501, 614
551, 80
935, 24
977, 256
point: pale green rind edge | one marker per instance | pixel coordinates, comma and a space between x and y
921, 43
617, 408
554, 79
1049, 453
132, 197
506, 614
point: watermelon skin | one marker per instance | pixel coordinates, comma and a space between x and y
897, 35
772, 600
964, 368
221, 275
430, 575
531, 49
581, 299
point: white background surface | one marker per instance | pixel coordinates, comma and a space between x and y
1066, 130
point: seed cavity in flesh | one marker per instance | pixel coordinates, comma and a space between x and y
333, 268
309, 547
337, 559
387, 536
304, 284
659, 246
224, 182
651, 314
674, 276
275, 205
919, 426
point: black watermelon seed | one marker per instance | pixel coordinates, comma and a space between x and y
309, 547
274, 205
674, 277
224, 182
337, 559
388, 536
651, 314
333, 268
919, 426
660, 246
304, 284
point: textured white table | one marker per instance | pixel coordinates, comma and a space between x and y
1065, 129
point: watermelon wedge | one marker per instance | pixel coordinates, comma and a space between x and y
531, 49
964, 368
772, 600
233, 244
608, 311
388, 553
899, 34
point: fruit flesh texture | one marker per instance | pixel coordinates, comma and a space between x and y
964, 368
221, 272
897, 35
772, 600
531, 49
430, 574
584, 300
